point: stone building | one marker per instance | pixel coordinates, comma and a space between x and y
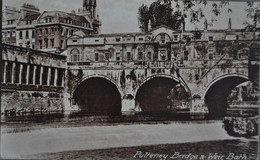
31, 80
47, 31
148, 69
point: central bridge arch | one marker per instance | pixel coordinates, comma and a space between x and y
97, 95
153, 93
218, 90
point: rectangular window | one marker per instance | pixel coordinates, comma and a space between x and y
149, 55
210, 38
175, 37
186, 55
61, 31
140, 56
21, 34
40, 31
162, 36
27, 34
46, 43
52, 43
128, 54
107, 56
61, 44
75, 58
33, 33
74, 41
96, 56
46, 31
40, 44
118, 39
141, 39
210, 56
118, 56
52, 30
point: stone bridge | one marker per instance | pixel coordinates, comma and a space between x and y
159, 71
148, 87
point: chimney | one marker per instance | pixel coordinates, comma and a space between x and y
229, 24
183, 24
205, 25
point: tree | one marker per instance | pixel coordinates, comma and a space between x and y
253, 14
161, 12
158, 13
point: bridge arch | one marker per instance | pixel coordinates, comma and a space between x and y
96, 76
218, 90
97, 94
152, 95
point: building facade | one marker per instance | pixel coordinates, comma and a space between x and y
32, 81
204, 66
47, 31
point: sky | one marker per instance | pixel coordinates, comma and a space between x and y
119, 16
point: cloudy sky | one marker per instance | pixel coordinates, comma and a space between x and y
119, 16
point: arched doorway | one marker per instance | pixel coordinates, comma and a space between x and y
159, 94
98, 96
217, 93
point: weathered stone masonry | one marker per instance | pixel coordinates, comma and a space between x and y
31, 81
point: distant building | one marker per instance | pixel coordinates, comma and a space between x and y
47, 31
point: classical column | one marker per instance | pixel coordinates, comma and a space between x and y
13, 73
41, 72
49, 76
20, 74
34, 74
4, 78
55, 77
27, 74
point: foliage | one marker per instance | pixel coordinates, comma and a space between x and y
173, 13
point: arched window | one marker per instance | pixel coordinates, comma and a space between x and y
74, 55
